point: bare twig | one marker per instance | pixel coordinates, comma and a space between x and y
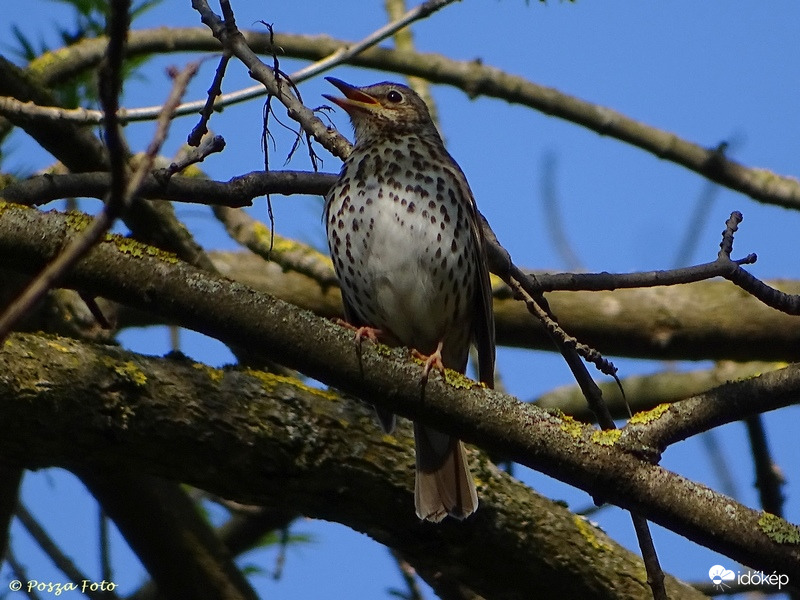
208, 108
409, 575
769, 479
538, 307
655, 576
233, 40
61, 560
22, 575
723, 266
569, 349
720, 464
109, 88
699, 217
345, 53
209, 145
555, 224
104, 543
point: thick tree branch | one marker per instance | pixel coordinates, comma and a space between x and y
707, 320
259, 438
723, 404
663, 323
125, 271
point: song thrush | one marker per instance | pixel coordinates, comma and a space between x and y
407, 247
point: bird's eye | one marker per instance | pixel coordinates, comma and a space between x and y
394, 96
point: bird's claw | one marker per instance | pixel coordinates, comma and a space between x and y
434, 361
370, 333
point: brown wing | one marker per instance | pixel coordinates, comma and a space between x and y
483, 315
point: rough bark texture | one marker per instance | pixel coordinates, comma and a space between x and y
269, 440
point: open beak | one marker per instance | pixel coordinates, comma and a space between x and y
354, 99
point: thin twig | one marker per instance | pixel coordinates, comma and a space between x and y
555, 223
61, 560
698, 220
720, 464
22, 576
280, 559
209, 145
236, 43
655, 575
104, 544
109, 88
537, 305
214, 92
769, 479
343, 54
409, 575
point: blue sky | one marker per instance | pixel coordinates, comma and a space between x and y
707, 71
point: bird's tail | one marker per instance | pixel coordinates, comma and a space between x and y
444, 484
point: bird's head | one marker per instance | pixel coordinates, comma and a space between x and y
383, 110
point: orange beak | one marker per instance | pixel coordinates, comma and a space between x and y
354, 99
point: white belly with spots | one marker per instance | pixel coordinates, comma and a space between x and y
403, 264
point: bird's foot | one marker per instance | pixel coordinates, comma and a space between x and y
370, 333
434, 361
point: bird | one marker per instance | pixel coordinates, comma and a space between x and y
405, 238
